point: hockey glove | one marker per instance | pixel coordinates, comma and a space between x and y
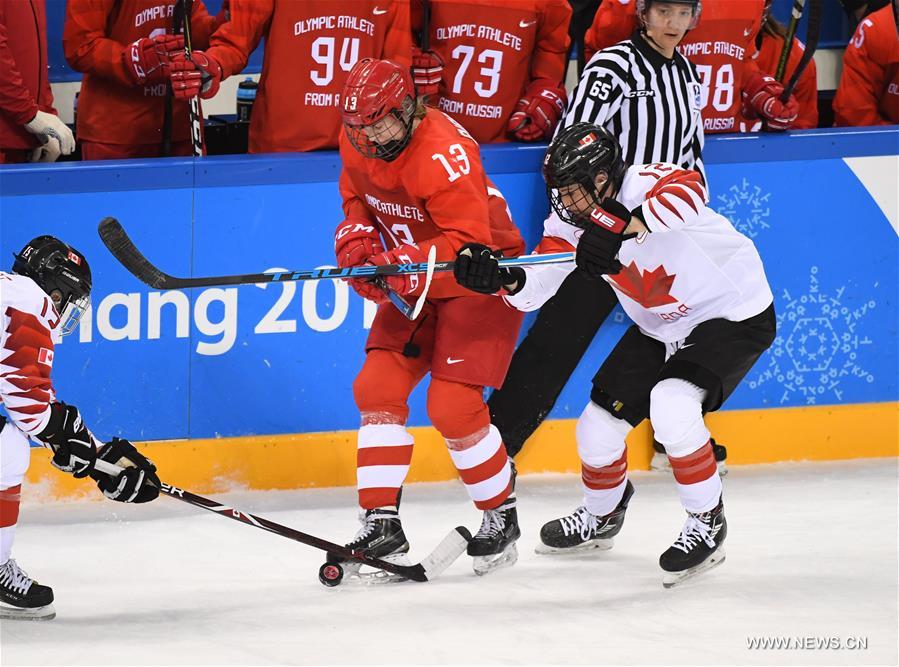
67, 437
476, 268
201, 75
356, 240
147, 60
46, 125
761, 99
537, 113
138, 481
427, 71
598, 247
405, 254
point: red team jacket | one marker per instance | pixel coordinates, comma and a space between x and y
492, 49
310, 47
111, 108
721, 47
24, 85
869, 87
434, 193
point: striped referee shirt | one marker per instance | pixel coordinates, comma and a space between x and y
650, 103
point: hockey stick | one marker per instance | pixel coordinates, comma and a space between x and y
449, 549
166, 147
795, 17
813, 34
114, 237
412, 311
193, 109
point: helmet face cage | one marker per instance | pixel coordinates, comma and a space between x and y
573, 161
62, 273
644, 5
387, 149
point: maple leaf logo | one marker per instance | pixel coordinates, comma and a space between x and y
651, 289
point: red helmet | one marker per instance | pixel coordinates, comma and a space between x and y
374, 90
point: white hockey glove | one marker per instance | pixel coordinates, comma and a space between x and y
47, 125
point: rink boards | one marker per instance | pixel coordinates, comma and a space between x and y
232, 370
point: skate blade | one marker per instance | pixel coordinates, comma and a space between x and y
362, 575
672, 579
10, 613
486, 564
600, 544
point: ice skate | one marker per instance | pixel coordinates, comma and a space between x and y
697, 549
493, 547
21, 597
582, 531
381, 536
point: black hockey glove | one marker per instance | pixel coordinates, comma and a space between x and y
597, 249
476, 268
67, 437
137, 483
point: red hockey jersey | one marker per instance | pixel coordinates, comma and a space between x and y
435, 193
869, 86
806, 91
310, 47
492, 51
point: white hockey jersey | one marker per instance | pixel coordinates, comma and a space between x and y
29, 329
693, 266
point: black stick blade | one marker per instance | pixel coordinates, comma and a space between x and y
123, 249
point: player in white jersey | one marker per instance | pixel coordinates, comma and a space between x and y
703, 311
41, 300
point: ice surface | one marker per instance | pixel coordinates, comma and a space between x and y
811, 553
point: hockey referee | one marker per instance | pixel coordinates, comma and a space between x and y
649, 97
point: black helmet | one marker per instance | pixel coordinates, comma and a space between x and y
644, 5
577, 154
62, 272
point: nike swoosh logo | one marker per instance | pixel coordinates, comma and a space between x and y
451, 361
377, 11
747, 32
526, 24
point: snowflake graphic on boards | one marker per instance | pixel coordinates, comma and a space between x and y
746, 206
817, 344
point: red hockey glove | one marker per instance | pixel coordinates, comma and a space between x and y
201, 75
761, 98
356, 240
404, 254
537, 113
427, 71
147, 60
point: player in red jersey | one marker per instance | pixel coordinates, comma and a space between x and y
769, 46
310, 46
869, 86
412, 178
124, 48
42, 299
721, 46
496, 67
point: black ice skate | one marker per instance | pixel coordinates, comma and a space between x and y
23, 598
493, 547
582, 531
381, 536
697, 549
660, 458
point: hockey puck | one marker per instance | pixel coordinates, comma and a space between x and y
330, 574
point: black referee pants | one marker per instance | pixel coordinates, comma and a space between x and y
547, 357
